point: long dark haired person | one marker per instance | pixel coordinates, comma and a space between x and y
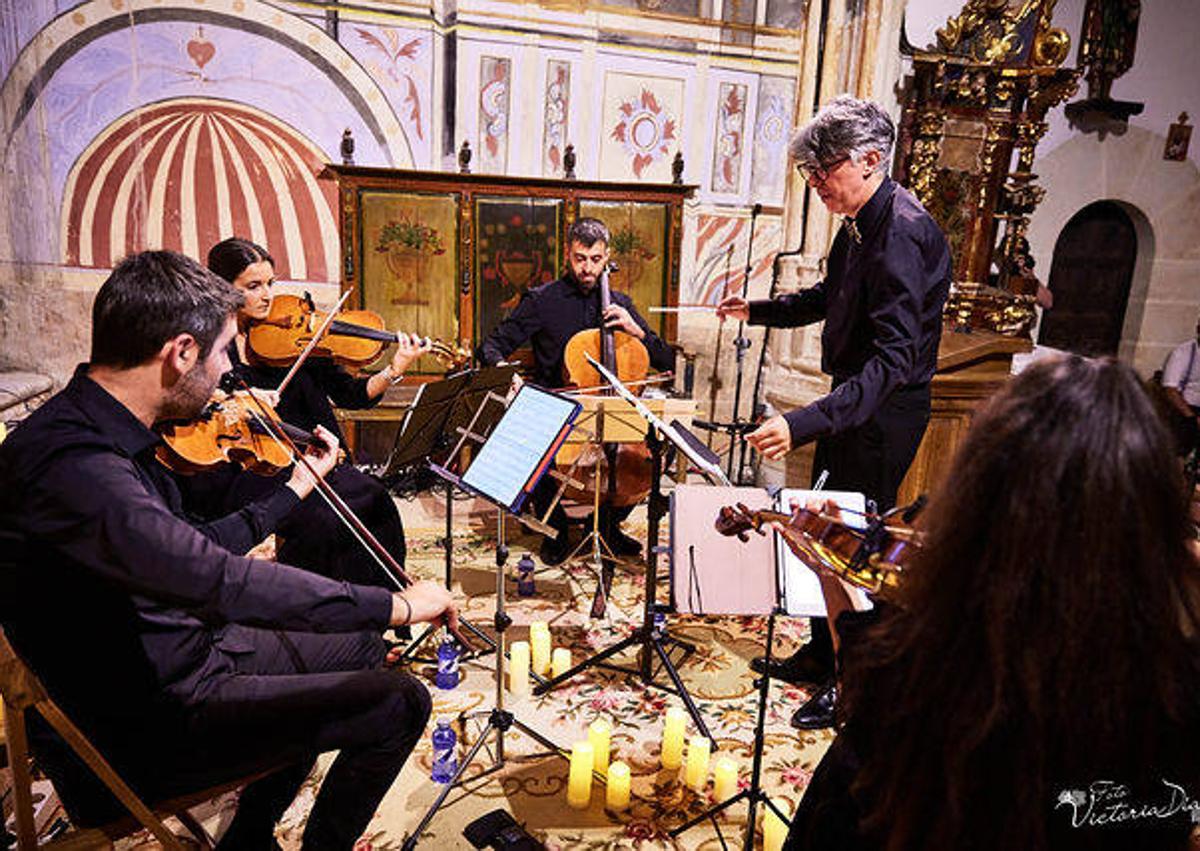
311, 536
1033, 685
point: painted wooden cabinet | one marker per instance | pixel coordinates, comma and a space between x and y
449, 255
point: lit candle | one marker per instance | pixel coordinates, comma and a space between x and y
560, 661
672, 741
616, 797
697, 762
774, 830
725, 779
539, 643
518, 668
599, 734
579, 781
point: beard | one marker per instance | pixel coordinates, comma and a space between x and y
190, 394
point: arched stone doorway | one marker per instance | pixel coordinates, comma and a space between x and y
1090, 279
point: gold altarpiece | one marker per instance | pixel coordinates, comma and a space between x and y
972, 117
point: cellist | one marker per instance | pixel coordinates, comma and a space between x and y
548, 316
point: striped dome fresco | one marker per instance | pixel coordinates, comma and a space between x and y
184, 174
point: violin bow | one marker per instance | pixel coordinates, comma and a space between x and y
312, 344
362, 534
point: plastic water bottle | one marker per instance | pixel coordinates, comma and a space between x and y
445, 758
447, 662
525, 586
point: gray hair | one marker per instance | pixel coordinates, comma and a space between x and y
845, 127
587, 232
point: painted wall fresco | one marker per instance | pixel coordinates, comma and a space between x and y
719, 262
642, 130
729, 138
494, 86
100, 65
401, 60
772, 131
557, 109
188, 172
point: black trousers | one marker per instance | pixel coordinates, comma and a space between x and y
872, 459
289, 697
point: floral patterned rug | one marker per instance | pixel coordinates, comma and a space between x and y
532, 785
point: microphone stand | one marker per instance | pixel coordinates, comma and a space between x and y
757, 408
741, 343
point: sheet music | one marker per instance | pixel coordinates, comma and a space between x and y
518, 445
801, 587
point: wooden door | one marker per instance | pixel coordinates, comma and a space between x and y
1090, 279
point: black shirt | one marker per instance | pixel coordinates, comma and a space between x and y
115, 600
553, 313
882, 304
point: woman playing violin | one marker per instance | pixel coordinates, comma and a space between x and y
1033, 684
312, 536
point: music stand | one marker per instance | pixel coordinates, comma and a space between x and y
786, 589
648, 636
511, 459
427, 432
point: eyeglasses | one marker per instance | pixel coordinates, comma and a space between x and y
819, 171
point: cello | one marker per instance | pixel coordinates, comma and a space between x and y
625, 467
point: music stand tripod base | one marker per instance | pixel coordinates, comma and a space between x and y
646, 636
497, 472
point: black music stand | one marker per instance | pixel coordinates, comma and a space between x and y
648, 636
427, 433
510, 461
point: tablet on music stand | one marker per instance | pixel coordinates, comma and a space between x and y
521, 447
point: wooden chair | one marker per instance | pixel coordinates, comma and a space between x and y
21, 690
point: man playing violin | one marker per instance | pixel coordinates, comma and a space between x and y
230, 666
881, 302
549, 316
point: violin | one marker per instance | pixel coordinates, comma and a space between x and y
355, 338
873, 558
625, 468
230, 428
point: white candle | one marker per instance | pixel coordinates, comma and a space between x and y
698, 753
518, 668
616, 796
725, 779
672, 741
579, 780
599, 735
539, 644
560, 662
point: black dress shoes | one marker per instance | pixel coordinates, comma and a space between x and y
820, 711
800, 668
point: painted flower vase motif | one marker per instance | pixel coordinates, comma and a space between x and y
407, 247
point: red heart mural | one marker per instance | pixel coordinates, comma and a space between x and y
201, 49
